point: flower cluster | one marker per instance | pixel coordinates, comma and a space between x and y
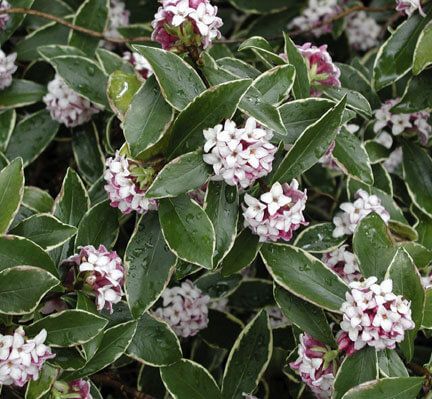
140, 64
4, 18
344, 263
102, 272
277, 318
118, 17
277, 214
185, 309
66, 106
427, 280
186, 23
21, 358
408, 7
373, 315
314, 15
239, 156
393, 162
416, 122
7, 68
346, 222
316, 366
78, 389
321, 69
126, 184
362, 31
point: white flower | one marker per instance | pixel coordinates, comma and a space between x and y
67, 106
118, 16
179, 11
393, 162
4, 18
373, 315
239, 156
141, 65
277, 318
346, 222
343, 262
123, 188
277, 214
362, 31
185, 309
409, 7
7, 68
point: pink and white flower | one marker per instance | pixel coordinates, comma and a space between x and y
373, 315
408, 7
126, 185
185, 309
118, 16
316, 366
4, 18
362, 31
22, 358
314, 15
180, 23
277, 214
102, 272
344, 263
7, 68
78, 389
277, 318
140, 64
416, 122
239, 156
66, 106
321, 69
346, 222
393, 162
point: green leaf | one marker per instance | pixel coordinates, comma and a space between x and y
387, 388
248, 358
37, 200
16, 251
242, 253
416, 96
311, 145
216, 286
258, 7
390, 364
15, 20
262, 48
45, 230
221, 321
238, 68
111, 62
262, 296
121, 90
12, 191
422, 52
187, 230
69, 328
373, 246
298, 115
84, 76
23, 287
150, 265
350, 153
52, 50
275, 84
305, 276
354, 100
31, 136
48, 34
301, 87
114, 343
221, 206
417, 170
421, 255
356, 369
179, 82
154, 343
7, 124
395, 57
181, 175
87, 152
318, 238
36, 389
21, 93
376, 151
187, 379
427, 311
147, 118
205, 111
407, 282
304, 315
92, 232
92, 14
72, 202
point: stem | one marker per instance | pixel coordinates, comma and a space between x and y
110, 381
